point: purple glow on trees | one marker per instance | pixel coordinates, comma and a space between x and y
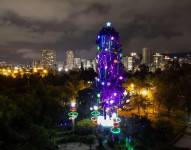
110, 69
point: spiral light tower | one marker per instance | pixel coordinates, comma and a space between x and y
110, 75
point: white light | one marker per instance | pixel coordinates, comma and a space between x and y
114, 115
125, 93
60, 69
112, 38
91, 108
121, 78
66, 69
111, 101
107, 109
108, 122
102, 83
128, 100
97, 79
115, 94
73, 104
108, 24
95, 107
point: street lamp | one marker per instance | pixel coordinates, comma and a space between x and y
95, 113
73, 104
144, 92
132, 85
73, 114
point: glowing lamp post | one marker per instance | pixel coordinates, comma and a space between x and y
73, 114
95, 113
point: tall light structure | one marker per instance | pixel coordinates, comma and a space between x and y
110, 70
77, 63
48, 59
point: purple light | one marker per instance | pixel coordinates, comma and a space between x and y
107, 109
121, 78
108, 83
110, 70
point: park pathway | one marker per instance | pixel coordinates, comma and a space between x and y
185, 141
76, 146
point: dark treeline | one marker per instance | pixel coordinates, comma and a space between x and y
30, 107
168, 107
171, 88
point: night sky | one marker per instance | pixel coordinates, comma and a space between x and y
27, 26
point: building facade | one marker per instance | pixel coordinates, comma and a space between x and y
48, 59
69, 60
146, 56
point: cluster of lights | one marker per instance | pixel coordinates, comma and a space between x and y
116, 120
143, 91
111, 122
19, 71
110, 70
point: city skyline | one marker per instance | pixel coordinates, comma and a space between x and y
64, 25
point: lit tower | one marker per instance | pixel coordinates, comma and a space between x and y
110, 71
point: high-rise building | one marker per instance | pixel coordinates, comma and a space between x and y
125, 62
146, 56
77, 63
83, 63
48, 59
88, 63
158, 61
94, 64
69, 60
130, 64
60, 66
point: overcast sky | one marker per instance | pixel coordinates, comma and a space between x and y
27, 26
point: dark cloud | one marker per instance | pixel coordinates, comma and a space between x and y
27, 26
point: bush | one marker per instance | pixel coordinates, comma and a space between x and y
163, 130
